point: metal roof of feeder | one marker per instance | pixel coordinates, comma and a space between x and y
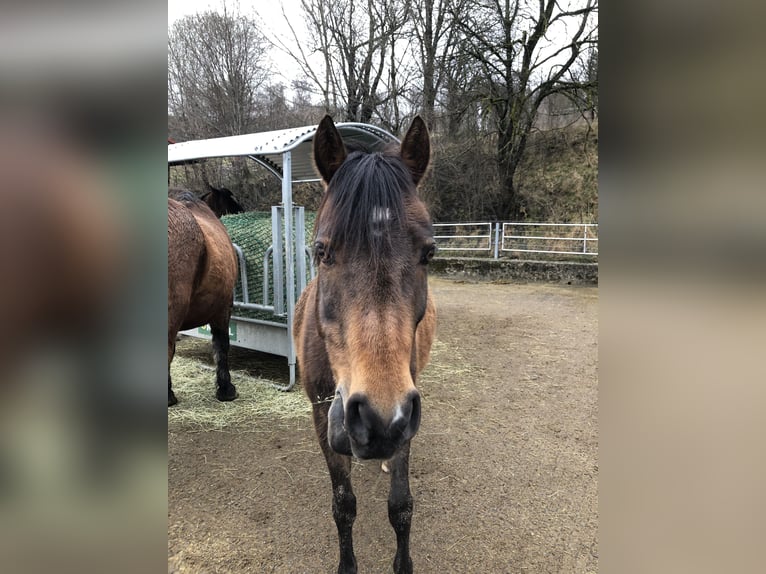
266, 148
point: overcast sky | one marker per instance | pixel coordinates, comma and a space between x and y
268, 9
269, 12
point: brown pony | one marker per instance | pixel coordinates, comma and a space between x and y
363, 327
202, 270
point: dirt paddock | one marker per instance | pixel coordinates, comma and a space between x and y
503, 471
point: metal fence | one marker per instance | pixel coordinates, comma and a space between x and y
497, 239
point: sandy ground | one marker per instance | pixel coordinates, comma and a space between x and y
503, 471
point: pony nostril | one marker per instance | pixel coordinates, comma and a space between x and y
414, 422
357, 418
406, 419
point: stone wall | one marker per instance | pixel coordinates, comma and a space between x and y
562, 272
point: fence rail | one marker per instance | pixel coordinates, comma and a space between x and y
463, 236
496, 239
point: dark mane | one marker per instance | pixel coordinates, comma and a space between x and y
365, 188
184, 196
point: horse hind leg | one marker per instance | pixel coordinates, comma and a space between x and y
343, 498
225, 390
400, 508
171, 395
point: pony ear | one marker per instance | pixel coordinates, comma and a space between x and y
329, 150
416, 149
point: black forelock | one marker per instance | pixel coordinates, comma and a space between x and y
365, 185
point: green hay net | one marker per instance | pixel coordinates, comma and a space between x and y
251, 231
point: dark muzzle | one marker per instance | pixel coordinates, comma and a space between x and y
357, 429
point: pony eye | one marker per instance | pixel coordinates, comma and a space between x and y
428, 254
322, 254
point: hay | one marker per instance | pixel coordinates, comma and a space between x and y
448, 370
447, 365
258, 404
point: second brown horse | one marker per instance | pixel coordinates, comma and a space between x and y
202, 270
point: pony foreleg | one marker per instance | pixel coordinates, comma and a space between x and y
400, 508
343, 499
225, 390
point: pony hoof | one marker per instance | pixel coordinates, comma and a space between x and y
228, 394
384, 467
403, 566
172, 399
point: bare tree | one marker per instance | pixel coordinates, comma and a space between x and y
525, 50
584, 79
438, 40
215, 68
301, 49
357, 44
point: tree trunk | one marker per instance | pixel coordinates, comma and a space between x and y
508, 206
429, 63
